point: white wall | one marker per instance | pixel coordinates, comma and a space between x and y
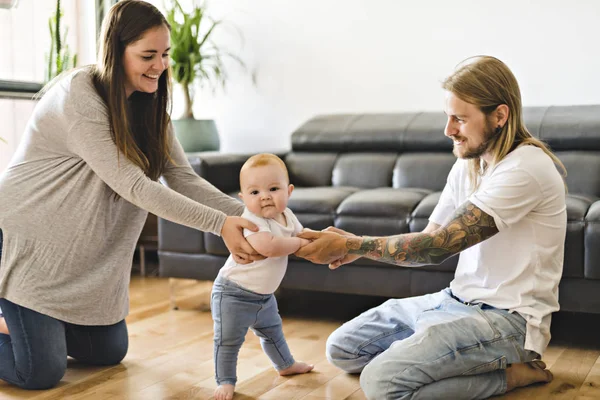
326, 56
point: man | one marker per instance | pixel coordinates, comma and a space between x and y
503, 209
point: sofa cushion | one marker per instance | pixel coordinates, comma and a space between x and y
583, 169
571, 127
310, 169
382, 202
215, 245
592, 240
316, 222
364, 170
352, 132
318, 200
423, 170
577, 208
378, 212
426, 133
420, 215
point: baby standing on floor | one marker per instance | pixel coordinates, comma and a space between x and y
242, 295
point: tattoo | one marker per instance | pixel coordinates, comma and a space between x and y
469, 226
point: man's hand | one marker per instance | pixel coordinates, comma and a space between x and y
238, 246
348, 258
325, 247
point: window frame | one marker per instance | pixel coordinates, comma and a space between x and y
12, 89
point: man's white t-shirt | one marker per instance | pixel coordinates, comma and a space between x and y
519, 268
263, 276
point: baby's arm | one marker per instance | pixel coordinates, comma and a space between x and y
272, 246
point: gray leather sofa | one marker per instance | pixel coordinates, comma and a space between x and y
382, 174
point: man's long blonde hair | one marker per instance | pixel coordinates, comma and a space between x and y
487, 82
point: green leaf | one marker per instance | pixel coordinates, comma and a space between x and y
59, 57
195, 58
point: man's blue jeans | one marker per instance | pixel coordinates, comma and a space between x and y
430, 347
234, 310
34, 355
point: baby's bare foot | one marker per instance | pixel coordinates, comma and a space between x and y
298, 367
519, 375
224, 392
3, 326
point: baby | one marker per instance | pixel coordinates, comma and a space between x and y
242, 295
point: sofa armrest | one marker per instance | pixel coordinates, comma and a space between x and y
591, 241
222, 170
179, 238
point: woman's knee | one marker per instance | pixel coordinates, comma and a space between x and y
111, 353
114, 354
117, 355
43, 376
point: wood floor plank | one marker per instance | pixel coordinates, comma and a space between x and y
171, 357
591, 384
570, 371
339, 387
297, 387
358, 395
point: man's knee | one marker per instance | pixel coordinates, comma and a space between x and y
339, 355
43, 376
333, 348
380, 379
373, 381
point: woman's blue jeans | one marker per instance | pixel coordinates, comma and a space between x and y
234, 310
430, 347
34, 355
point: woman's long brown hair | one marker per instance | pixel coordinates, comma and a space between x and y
140, 124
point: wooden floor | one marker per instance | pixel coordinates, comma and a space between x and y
170, 357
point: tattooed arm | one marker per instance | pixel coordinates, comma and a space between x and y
468, 226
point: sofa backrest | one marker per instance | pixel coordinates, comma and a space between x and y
404, 150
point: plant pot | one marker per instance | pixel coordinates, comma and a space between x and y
196, 134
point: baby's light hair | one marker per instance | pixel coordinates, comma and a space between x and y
262, 159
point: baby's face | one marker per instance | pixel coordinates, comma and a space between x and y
265, 190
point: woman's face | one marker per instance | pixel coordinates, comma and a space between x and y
146, 59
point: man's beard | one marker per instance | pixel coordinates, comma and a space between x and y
488, 135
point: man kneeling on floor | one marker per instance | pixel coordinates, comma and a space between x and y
503, 209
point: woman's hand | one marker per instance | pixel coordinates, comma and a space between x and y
326, 246
238, 246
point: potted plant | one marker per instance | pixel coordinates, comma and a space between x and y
196, 59
59, 58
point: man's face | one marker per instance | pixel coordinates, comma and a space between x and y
468, 128
265, 190
146, 59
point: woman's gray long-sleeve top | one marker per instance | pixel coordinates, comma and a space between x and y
68, 244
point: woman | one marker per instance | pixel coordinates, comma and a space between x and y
76, 195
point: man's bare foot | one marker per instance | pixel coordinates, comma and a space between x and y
3, 326
524, 374
224, 392
298, 367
